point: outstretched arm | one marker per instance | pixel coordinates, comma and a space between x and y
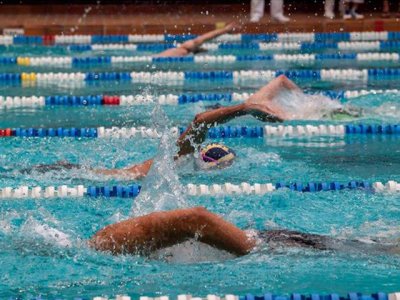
258, 105
163, 229
193, 44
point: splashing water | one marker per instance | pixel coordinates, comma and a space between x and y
299, 106
390, 109
161, 190
48, 234
191, 251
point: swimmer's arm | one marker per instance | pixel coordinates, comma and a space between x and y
196, 133
163, 229
132, 172
272, 89
191, 45
260, 104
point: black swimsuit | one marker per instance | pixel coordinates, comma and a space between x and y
290, 238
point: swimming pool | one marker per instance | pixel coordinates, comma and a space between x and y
34, 262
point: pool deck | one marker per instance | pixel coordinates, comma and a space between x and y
142, 19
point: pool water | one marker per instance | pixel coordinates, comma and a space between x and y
33, 263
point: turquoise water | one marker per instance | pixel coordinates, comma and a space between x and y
32, 263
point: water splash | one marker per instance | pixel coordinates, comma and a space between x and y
390, 109
161, 189
191, 251
49, 235
299, 106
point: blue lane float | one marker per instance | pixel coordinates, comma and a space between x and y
349, 296
133, 190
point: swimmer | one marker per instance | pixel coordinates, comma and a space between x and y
145, 234
194, 45
258, 105
263, 105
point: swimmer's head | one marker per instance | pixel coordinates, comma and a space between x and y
215, 156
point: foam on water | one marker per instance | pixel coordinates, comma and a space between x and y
389, 109
49, 235
299, 106
191, 251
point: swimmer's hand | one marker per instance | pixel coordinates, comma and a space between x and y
232, 27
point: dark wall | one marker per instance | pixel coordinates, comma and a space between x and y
294, 5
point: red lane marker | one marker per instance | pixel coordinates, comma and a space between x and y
48, 40
111, 100
107, 100
2, 132
116, 100
8, 132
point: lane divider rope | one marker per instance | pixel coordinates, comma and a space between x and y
333, 75
169, 99
266, 37
213, 132
131, 191
111, 60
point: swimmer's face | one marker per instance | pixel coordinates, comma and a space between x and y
215, 156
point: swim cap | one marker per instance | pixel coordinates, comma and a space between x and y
216, 155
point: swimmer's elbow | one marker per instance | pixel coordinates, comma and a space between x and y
282, 77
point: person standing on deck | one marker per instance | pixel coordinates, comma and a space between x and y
257, 11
